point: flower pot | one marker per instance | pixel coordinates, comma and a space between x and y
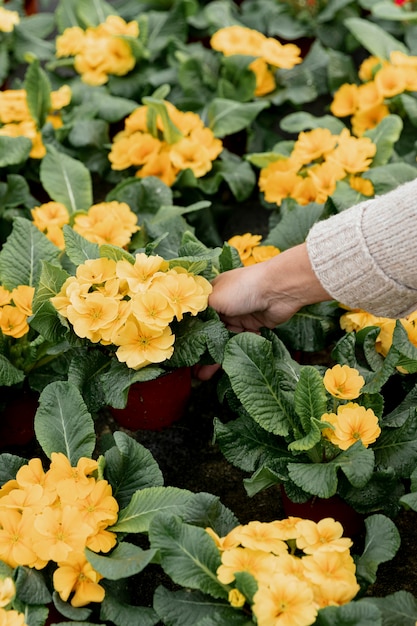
156, 404
17, 419
316, 509
31, 6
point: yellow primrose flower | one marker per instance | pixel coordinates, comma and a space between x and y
264, 77
336, 593
96, 508
287, 528
96, 271
22, 297
31, 474
237, 40
343, 382
88, 315
369, 96
5, 296
231, 540
75, 478
13, 106
280, 55
325, 535
236, 598
353, 154
279, 180
262, 536
60, 532
161, 166
351, 423
7, 591
70, 43
364, 186
153, 309
257, 562
8, 20
286, 601
189, 154
330, 567
244, 244
11, 618
107, 222
369, 66
140, 345
139, 274
185, 292
76, 575
102, 540
390, 80
345, 100
13, 322
32, 497
16, 534
313, 144
263, 253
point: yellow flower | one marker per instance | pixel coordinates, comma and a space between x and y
345, 100
324, 177
364, 186
287, 527
153, 309
231, 540
139, 274
323, 568
7, 591
13, 322
351, 424
236, 598
50, 213
11, 618
31, 474
313, 145
369, 66
336, 593
75, 478
22, 297
343, 382
70, 43
368, 118
262, 536
280, 55
279, 180
189, 154
97, 509
107, 222
140, 345
237, 40
185, 292
31, 497
161, 166
16, 534
75, 574
88, 315
60, 97
353, 154
5, 296
390, 81
287, 601
60, 532
369, 96
244, 244
325, 535
257, 562
13, 106
263, 253
8, 20
116, 25
265, 79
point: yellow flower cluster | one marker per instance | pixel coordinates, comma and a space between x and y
101, 50
269, 52
131, 305
103, 223
16, 120
8, 20
11, 618
317, 162
15, 308
368, 103
52, 516
355, 320
250, 249
350, 422
137, 147
300, 566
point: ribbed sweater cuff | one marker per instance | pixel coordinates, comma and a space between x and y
341, 259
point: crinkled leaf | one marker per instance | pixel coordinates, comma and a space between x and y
79, 249
384, 136
130, 467
124, 561
66, 180
9, 466
382, 541
9, 374
396, 448
14, 150
63, 423
148, 502
310, 399
23, 253
247, 362
294, 225
397, 608
117, 380
31, 587
362, 613
38, 92
188, 554
319, 479
120, 614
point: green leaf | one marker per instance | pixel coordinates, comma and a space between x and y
38, 92
397, 608
301, 121
31, 586
9, 374
382, 541
23, 253
79, 249
69, 611
171, 133
226, 117
247, 362
63, 424
124, 561
9, 466
188, 554
189, 608
362, 613
373, 38
66, 180
294, 225
384, 136
319, 479
14, 150
146, 503
310, 399
262, 479
129, 468
396, 448
117, 380
51, 279
120, 614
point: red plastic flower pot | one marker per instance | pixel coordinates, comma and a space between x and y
31, 6
156, 404
316, 509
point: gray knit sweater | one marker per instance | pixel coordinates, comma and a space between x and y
365, 256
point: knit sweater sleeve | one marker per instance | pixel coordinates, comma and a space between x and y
366, 256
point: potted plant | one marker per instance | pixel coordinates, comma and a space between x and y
318, 431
